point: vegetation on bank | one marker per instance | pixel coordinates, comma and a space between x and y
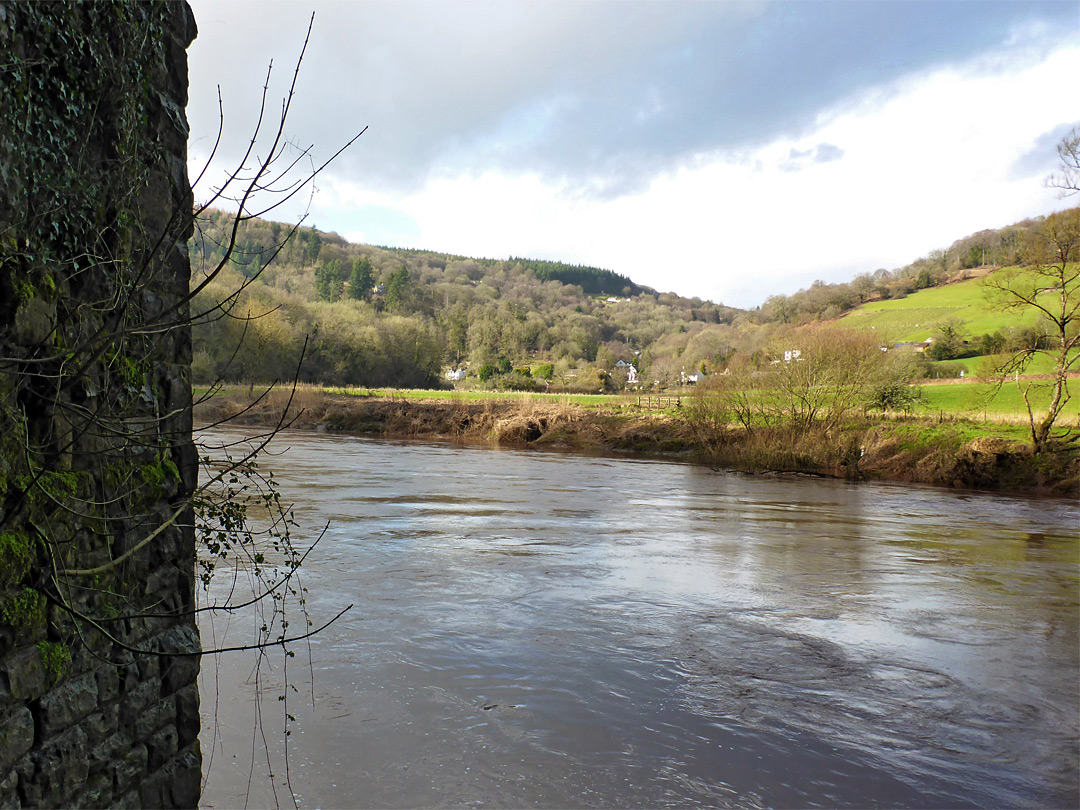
971, 399
767, 381
816, 399
940, 449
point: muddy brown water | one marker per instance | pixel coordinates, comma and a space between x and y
543, 630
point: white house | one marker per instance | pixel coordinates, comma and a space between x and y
455, 374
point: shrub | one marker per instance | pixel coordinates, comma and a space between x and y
514, 381
894, 395
945, 371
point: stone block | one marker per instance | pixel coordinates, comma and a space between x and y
187, 459
188, 719
129, 677
9, 796
161, 747
185, 778
105, 755
154, 789
16, 737
111, 713
131, 768
178, 784
61, 768
26, 675
149, 669
34, 320
96, 727
68, 703
108, 684
161, 585
98, 792
179, 671
25, 770
137, 701
158, 715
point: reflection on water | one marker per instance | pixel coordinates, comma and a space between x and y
537, 630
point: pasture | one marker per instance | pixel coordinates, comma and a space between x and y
916, 317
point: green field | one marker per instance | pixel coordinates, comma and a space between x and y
985, 365
915, 318
977, 399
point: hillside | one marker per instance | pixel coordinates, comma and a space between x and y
377, 316
919, 315
384, 316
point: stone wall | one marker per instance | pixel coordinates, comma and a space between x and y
98, 647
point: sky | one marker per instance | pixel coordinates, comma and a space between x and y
726, 150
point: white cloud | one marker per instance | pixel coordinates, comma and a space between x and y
881, 179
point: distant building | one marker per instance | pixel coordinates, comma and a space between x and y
915, 347
455, 374
631, 372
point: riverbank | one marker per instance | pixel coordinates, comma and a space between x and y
955, 453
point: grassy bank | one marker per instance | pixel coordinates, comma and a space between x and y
942, 450
425, 394
954, 453
976, 400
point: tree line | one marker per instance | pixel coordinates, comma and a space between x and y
381, 316
365, 315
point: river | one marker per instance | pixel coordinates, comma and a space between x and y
544, 630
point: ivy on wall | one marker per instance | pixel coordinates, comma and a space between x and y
90, 372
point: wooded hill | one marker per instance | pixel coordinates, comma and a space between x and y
381, 316
378, 316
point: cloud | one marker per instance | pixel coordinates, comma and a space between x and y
601, 95
1042, 157
726, 151
918, 170
822, 153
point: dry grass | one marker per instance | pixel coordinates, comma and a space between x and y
948, 452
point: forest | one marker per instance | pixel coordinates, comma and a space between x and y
376, 316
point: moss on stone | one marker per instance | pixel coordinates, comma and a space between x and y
24, 610
16, 557
54, 657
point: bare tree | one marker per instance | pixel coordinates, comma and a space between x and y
1068, 180
820, 375
1049, 285
95, 465
812, 381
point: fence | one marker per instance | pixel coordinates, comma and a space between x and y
653, 402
